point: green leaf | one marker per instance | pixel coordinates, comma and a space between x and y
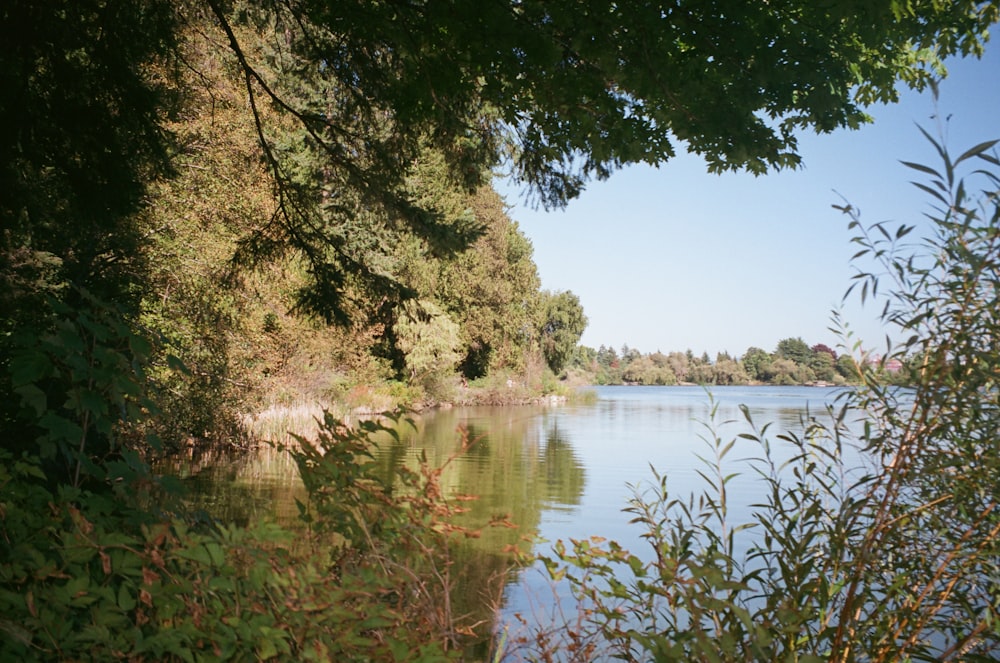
922, 168
125, 599
29, 367
67, 338
976, 151
140, 346
60, 428
927, 189
216, 553
32, 397
30, 469
196, 553
92, 401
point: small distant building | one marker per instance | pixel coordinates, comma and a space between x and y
891, 366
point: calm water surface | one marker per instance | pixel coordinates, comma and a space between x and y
561, 471
589, 460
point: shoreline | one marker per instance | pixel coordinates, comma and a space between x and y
280, 421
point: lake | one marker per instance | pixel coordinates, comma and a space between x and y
567, 471
558, 471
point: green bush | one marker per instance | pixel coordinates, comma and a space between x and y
84, 396
892, 557
99, 560
89, 575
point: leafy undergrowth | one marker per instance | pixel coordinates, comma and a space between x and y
102, 575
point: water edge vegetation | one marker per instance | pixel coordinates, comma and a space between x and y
206, 201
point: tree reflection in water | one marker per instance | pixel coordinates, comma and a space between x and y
516, 464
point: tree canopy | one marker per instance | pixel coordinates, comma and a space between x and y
345, 97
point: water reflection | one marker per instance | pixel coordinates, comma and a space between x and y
238, 487
561, 472
518, 464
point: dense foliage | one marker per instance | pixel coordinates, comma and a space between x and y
340, 150
194, 190
86, 575
792, 362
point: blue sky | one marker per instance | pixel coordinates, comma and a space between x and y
675, 258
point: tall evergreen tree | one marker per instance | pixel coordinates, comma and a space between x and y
562, 324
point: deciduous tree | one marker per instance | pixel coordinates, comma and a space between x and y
755, 361
794, 349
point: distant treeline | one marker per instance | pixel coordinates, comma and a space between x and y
792, 362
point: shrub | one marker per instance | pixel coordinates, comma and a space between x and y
891, 557
90, 575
